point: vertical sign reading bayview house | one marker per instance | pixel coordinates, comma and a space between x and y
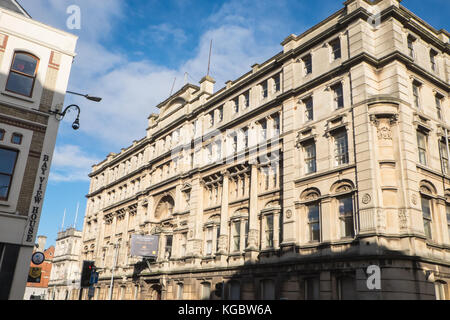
37, 200
41, 181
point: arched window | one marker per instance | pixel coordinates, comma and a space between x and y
22, 74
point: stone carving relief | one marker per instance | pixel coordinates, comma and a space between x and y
289, 214
366, 198
384, 126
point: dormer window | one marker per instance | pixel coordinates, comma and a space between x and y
22, 74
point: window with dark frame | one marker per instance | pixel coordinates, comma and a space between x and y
8, 160
220, 113
336, 48
310, 157
264, 89
411, 40
341, 148
433, 55
416, 96
346, 216
307, 60
338, 94
236, 105
236, 236
426, 215
309, 109
269, 231
168, 248
444, 156
22, 74
277, 83
314, 222
247, 99
422, 147
438, 99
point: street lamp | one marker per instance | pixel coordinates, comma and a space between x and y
95, 99
60, 115
116, 246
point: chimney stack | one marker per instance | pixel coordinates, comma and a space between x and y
41, 243
207, 84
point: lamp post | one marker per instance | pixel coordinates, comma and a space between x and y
116, 246
95, 99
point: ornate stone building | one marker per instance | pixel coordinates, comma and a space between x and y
289, 182
66, 273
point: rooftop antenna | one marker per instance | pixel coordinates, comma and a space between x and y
76, 216
209, 59
173, 85
64, 217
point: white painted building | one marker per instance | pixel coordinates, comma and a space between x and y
35, 63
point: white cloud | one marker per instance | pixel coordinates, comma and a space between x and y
132, 89
70, 163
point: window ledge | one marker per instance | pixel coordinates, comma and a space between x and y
16, 96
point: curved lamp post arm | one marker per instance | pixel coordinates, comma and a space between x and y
60, 115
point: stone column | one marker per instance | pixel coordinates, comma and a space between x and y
252, 246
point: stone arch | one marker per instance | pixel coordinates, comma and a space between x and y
427, 187
272, 204
342, 186
310, 194
165, 207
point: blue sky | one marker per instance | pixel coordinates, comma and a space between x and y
130, 52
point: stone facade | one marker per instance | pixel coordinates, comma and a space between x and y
294, 179
65, 276
37, 58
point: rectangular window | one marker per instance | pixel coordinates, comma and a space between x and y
277, 83
220, 113
338, 96
438, 106
346, 288
309, 109
168, 249
2, 134
314, 222
433, 55
16, 138
267, 289
444, 157
346, 216
247, 99
211, 119
426, 215
310, 158
416, 95
180, 291
8, 159
411, 46
308, 64
206, 291
209, 241
236, 105
336, 48
341, 148
269, 231
264, 90
246, 233
312, 289
422, 147
236, 236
